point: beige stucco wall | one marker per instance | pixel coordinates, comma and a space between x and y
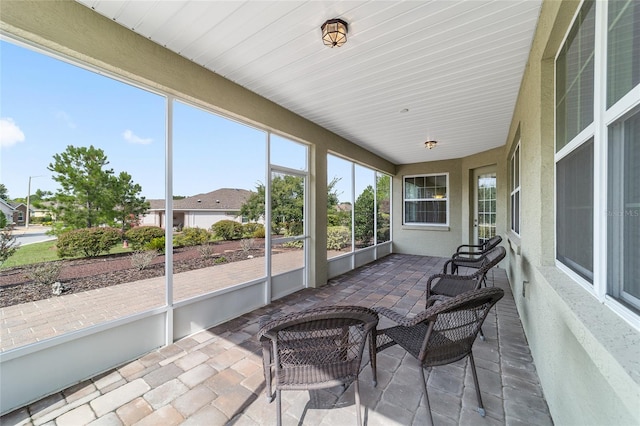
69, 28
586, 355
428, 240
442, 241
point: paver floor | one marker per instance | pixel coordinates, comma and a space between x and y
215, 376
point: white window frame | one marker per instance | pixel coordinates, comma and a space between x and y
445, 199
515, 189
599, 131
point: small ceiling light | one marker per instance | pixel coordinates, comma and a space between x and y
334, 32
430, 144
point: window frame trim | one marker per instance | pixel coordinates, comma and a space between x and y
446, 199
603, 119
516, 189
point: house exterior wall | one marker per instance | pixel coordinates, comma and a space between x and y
190, 219
195, 219
20, 215
428, 240
7, 211
585, 354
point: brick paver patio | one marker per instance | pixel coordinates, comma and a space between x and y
215, 376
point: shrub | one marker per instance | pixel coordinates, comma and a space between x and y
88, 242
259, 233
227, 229
8, 243
294, 244
142, 259
192, 237
46, 273
220, 260
139, 236
384, 234
246, 244
156, 244
250, 229
338, 237
206, 250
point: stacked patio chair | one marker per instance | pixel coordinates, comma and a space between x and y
471, 256
451, 285
442, 334
315, 349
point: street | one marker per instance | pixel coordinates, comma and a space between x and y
34, 234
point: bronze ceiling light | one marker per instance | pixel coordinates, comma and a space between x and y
334, 32
430, 144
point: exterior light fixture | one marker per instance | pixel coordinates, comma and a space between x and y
334, 32
430, 144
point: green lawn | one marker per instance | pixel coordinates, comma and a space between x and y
42, 252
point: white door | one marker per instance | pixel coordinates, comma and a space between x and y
484, 223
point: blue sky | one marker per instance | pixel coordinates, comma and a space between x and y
47, 104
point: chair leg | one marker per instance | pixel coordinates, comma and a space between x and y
357, 395
372, 357
426, 396
475, 381
279, 407
266, 364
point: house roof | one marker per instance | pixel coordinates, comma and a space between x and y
220, 199
15, 205
7, 204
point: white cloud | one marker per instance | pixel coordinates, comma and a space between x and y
130, 137
63, 116
10, 133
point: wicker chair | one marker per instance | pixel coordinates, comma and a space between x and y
317, 348
471, 256
451, 285
442, 334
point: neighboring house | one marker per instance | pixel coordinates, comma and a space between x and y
44, 210
19, 213
199, 211
7, 210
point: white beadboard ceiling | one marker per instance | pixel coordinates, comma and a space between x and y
456, 65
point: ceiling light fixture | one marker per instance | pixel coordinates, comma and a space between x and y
430, 144
334, 32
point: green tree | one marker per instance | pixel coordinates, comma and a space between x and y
90, 194
129, 206
336, 216
4, 193
253, 207
8, 243
287, 202
364, 216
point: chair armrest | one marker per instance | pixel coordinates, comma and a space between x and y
466, 253
446, 265
401, 319
468, 247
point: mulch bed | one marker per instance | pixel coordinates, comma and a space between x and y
16, 285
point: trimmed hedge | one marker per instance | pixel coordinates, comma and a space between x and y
88, 242
253, 230
140, 236
192, 237
227, 229
338, 237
